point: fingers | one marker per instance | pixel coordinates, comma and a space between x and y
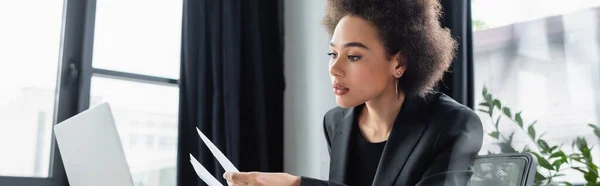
237, 177
243, 178
235, 184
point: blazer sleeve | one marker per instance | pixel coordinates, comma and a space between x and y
306, 181
327, 138
455, 148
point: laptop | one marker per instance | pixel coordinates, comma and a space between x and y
91, 149
92, 153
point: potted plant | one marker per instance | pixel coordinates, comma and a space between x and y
552, 160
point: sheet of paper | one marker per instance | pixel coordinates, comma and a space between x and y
225, 163
203, 173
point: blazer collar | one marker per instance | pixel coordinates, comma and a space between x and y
340, 145
405, 134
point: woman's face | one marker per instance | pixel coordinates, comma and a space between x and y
358, 67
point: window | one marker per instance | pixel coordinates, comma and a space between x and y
167, 143
59, 58
133, 140
134, 65
138, 36
541, 58
28, 84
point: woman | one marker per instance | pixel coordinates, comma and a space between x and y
390, 127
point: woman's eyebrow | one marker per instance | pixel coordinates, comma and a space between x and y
352, 44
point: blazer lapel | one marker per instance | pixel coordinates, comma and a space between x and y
339, 146
405, 134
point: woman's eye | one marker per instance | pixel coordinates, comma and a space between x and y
333, 56
353, 58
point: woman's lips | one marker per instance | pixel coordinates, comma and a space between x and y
340, 90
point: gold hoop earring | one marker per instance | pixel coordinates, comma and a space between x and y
398, 79
397, 95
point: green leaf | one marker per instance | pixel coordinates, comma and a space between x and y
488, 97
588, 179
484, 106
531, 131
596, 130
496, 103
543, 162
506, 146
586, 154
543, 145
497, 122
557, 164
581, 144
563, 156
576, 157
594, 170
519, 120
566, 183
539, 176
553, 148
579, 169
557, 154
484, 111
484, 102
506, 111
547, 165
494, 134
485, 91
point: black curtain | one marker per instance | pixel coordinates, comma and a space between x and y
458, 83
231, 86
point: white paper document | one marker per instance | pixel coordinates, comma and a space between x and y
202, 172
225, 163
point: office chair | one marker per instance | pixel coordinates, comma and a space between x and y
511, 169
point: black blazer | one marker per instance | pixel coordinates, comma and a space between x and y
434, 141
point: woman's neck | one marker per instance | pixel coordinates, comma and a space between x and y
378, 116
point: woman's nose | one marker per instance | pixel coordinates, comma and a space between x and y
335, 68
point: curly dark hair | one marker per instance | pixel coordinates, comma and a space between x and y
410, 27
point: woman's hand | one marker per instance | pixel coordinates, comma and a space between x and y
261, 179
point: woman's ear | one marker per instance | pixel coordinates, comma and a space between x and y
399, 65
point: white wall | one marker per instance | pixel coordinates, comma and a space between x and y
308, 92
